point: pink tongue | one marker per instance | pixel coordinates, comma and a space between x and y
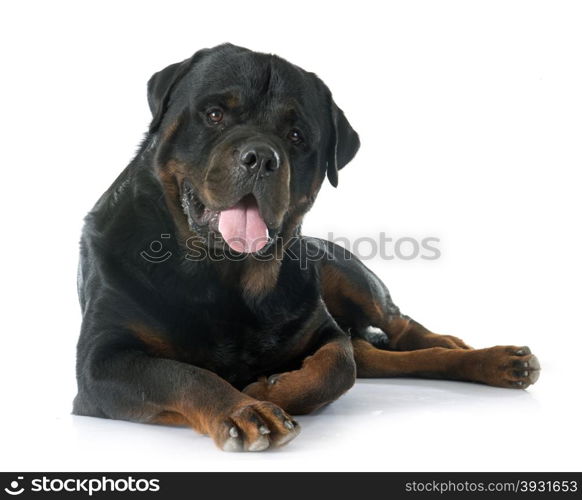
242, 226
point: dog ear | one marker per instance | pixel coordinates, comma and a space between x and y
344, 144
161, 84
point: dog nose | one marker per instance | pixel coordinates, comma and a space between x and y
259, 157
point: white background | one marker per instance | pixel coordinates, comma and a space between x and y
470, 116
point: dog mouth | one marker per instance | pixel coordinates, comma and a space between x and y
241, 226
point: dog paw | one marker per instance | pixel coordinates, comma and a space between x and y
510, 366
259, 389
262, 388
256, 427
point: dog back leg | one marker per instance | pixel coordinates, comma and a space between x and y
501, 366
361, 303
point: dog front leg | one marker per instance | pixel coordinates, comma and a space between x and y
322, 378
135, 386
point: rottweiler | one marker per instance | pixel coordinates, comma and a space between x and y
203, 304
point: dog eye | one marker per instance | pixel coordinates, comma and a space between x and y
215, 115
295, 136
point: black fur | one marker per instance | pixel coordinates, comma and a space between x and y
199, 307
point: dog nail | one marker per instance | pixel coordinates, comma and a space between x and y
263, 429
233, 432
232, 444
260, 444
289, 424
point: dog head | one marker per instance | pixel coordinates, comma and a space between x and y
243, 143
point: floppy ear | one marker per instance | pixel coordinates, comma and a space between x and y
161, 84
344, 144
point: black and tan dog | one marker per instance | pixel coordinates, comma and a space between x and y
244, 322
